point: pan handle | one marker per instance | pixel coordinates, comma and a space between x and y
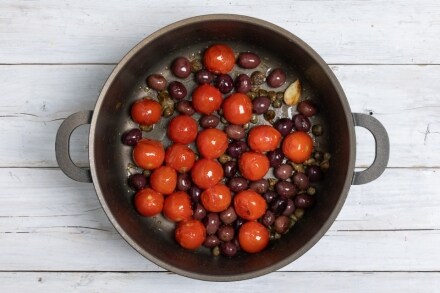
62, 144
382, 144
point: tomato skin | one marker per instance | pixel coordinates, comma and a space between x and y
206, 99
219, 58
253, 166
253, 237
177, 206
148, 154
298, 146
180, 157
249, 205
163, 179
212, 143
263, 138
206, 173
182, 129
148, 202
190, 234
216, 198
237, 109
146, 111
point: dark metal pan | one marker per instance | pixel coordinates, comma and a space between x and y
153, 237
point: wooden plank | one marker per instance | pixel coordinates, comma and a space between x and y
165, 282
391, 224
103, 31
399, 96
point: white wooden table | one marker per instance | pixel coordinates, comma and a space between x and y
55, 57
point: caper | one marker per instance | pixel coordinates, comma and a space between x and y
276, 236
252, 95
146, 173
324, 165
254, 118
298, 167
277, 104
257, 78
146, 128
262, 93
272, 95
317, 130
246, 126
224, 158
280, 96
327, 156
168, 111
309, 162
291, 223
223, 120
311, 190
318, 156
269, 115
299, 213
215, 251
196, 65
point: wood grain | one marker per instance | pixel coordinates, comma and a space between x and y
379, 228
397, 95
164, 282
380, 32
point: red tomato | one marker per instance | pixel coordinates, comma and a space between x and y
206, 173
249, 205
146, 111
212, 143
219, 58
237, 109
253, 166
148, 154
190, 234
297, 146
148, 202
263, 138
163, 179
182, 129
216, 198
180, 157
206, 99
177, 206
253, 237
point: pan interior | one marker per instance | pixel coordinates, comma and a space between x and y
153, 237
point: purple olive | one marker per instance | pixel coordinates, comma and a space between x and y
290, 208
276, 78
185, 107
301, 180
281, 224
156, 82
248, 60
237, 184
204, 76
283, 172
137, 181
132, 137
199, 212
260, 105
209, 121
314, 173
228, 248
194, 192
236, 148
212, 222
177, 90
183, 181
225, 233
285, 188
228, 216
238, 223
230, 168
275, 157
211, 241
224, 83
270, 195
304, 200
307, 108
235, 132
259, 186
268, 219
284, 126
243, 83
181, 67
301, 122
278, 205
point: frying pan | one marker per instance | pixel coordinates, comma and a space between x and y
153, 237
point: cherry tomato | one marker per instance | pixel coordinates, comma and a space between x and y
297, 146
219, 58
206, 99
180, 157
190, 234
253, 237
206, 173
249, 205
146, 111
237, 109
216, 198
212, 143
263, 138
253, 166
148, 154
163, 179
148, 202
177, 206
182, 129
